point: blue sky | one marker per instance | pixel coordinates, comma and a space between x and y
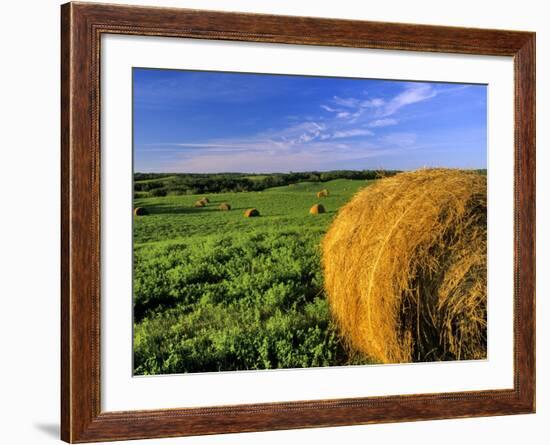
206, 122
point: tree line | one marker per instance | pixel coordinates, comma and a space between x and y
161, 184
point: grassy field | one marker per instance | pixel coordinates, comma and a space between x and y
215, 291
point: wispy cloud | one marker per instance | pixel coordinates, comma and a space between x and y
228, 145
348, 121
271, 162
329, 109
351, 133
336, 129
378, 110
413, 94
349, 102
382, 123
373, 103
399, 139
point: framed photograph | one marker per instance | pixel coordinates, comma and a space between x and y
274, 222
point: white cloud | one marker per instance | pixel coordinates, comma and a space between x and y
207, 145
294, 134
372, 103
355, 109
399, 139
349, 102
306, 137
351, 133
411, 95
226, 146
300, 142
321, 156
329, 109
383, 122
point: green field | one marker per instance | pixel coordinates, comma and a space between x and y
215, 291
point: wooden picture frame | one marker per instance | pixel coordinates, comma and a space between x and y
82, 25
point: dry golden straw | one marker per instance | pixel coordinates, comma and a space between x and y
200, 203
405, 267
322, 194
249, 213
140, 211
205, 200
225, 206
316, 209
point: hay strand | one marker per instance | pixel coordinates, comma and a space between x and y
405, 267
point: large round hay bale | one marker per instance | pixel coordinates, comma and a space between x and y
323, 193
225, 206
250, 213
205, 200
140, 211
316, 209
405, 267
200, 203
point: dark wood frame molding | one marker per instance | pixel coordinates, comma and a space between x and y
82, 25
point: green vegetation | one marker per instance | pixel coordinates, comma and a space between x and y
216, 291
162, 184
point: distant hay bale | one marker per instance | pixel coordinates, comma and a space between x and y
323, 193
140, 211
405, 267
205, 200
225, 206
316, 209
250, 213
200, 203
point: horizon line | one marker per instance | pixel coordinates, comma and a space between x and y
304, 171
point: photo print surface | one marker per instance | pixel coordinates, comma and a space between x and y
286, 221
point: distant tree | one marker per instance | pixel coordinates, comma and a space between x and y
158, 192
